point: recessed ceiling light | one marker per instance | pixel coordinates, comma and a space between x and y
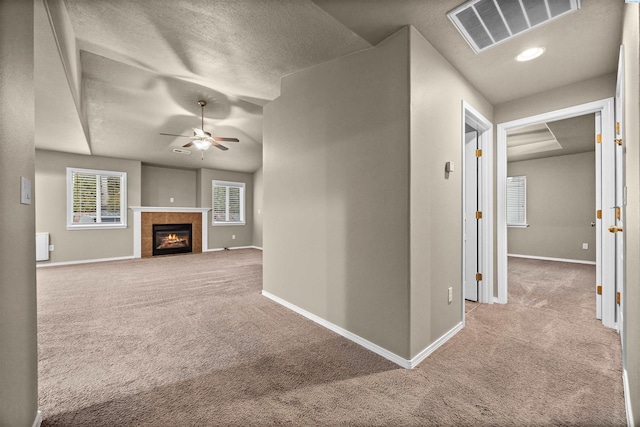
530, 54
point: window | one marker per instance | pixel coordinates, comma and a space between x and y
96, 199
517, 201
228, 203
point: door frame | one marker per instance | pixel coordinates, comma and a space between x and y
621, 199
604, 107
473, 118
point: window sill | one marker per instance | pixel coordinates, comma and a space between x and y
518, 225
222, 224
95, 227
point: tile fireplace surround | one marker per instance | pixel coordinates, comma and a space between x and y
145, 216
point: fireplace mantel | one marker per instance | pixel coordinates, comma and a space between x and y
137, 223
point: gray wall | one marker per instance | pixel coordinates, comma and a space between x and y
221, 236
631, 291
51, 209
18, 346
561, 200
258, 191
567, 96
147, 186
336, 193
160, 184
358, 216
437, 92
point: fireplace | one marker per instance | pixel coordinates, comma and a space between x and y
171, 239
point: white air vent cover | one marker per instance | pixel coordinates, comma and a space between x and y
485, 23
181, 151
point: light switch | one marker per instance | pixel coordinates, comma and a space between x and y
449, 167
25, 191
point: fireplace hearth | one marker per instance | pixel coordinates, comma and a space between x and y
172, 239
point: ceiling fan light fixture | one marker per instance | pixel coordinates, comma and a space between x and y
201, 139
529, 54
202, 144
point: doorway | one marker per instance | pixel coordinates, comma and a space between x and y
472, 239
477, 223
605, 170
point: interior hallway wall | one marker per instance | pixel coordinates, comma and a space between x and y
18, 327
437, 92
336, 193
362, 226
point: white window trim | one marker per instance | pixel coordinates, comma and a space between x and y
98, 225
523, 224
242, 186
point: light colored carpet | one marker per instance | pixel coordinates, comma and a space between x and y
189, 341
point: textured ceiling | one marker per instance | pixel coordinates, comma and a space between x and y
581, 45
241, 48
145, 64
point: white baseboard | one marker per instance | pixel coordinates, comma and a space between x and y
231, 248
543, 258
38, 420
257, 247
84, 261
87, 261
627, 398
405, 363
434, 345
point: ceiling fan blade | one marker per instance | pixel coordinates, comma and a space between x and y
188, 144
219, 138
220, 146
173, 134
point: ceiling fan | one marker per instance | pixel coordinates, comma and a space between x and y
203, 140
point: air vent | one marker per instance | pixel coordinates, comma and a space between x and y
485, 23
181, 151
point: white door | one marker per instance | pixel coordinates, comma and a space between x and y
472, 198
620, 201
613, 208
609, 213
598, 215
607, 289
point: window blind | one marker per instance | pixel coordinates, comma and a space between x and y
228, 202
517, 200
96, 197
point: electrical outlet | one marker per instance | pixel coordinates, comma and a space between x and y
450, 295
585, 246
51, 248
233, 236
170, 199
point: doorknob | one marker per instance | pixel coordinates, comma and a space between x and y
615, 229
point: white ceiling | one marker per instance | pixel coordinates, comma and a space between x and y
145, 64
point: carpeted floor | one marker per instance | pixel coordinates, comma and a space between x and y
189, 341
